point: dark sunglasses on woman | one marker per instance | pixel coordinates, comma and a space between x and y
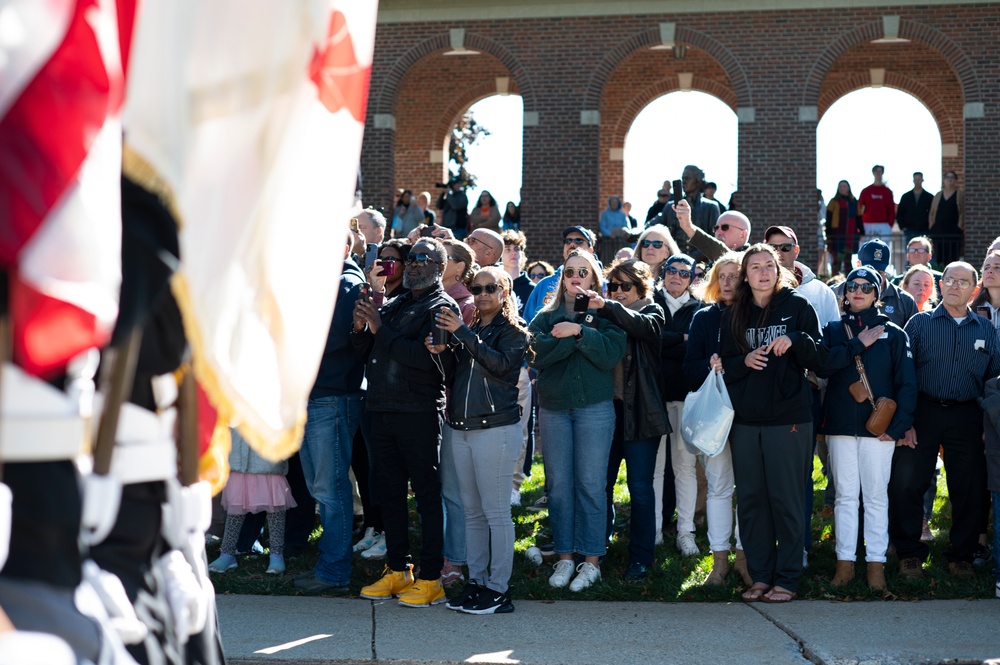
685, 274
866, 288
477, 289
656, 244
573, 272
537, 275
624, 286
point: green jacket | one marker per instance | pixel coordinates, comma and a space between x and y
573, 373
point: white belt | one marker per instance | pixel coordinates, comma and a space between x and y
144, 448
40, 423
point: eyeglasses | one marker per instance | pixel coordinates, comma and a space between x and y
420, 259
951, 281
579, 242
388, 258
624, 286
537, 275
866, 289
662, 195
726, 227
685, 274
699, 275
656, 244
477, 289
576, 272
917, 250
784, 247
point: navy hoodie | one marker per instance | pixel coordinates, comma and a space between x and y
778, 394
342, 370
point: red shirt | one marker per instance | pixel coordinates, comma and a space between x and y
877, 205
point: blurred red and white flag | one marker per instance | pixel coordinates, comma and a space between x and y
61, 87
247, 117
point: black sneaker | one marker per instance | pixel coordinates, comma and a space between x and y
468, 593
489, 602
636, 573
981, 556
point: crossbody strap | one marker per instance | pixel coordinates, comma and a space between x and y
861, 368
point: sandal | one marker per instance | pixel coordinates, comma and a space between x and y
778, 595
755, 593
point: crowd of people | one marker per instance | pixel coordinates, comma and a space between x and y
444, 352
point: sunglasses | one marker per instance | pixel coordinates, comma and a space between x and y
456, 258
866, 288
784, 247
624, 286
536, 275
477, 289
420, 259
685, 274
699, 275
656, 244
574, 272
388, 258
726, 227
579, 242
951, 281
918, 250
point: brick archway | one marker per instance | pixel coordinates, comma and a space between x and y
649, 38
460, 105
385, 99
862, 35
654, 91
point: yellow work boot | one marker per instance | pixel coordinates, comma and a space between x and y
423, 593
392, 583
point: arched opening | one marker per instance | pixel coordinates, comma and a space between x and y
495, 159
673, 131
877, 126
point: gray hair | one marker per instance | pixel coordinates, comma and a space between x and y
378, 219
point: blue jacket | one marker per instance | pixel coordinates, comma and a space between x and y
536, 301
888, 365
341, 370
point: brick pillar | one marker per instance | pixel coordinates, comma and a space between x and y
981, 182
378, 162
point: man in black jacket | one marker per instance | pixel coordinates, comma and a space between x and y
406, 395
914, 209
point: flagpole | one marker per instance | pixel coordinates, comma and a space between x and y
187, 435
122, 374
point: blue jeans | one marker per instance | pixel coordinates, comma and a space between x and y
326, 460
577, 444
451, 499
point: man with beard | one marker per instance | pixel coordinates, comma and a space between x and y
406, 398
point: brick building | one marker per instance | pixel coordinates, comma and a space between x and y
585, 69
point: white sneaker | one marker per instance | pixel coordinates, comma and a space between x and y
805, 558
686, 544
515, 498
564, 571
376, 551
366, 541
586, 575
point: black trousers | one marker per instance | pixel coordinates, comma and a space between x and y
770, 467
959, 430
405, 448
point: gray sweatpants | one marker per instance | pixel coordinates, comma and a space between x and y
484, 462
770, 467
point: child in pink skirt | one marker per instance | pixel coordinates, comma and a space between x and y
254, 485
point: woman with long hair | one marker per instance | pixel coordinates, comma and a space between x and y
575, 354
843, 226
862, 462
511, 217
457, 276
701, 357
987, 301
539, 270
483, 434
770, 336
640, 417
407, 215
918, 281
486, 214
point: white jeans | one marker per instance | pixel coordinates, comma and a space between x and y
719, 503
861, 465
685, 474
661, 457
524, 401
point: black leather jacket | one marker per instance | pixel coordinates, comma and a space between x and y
645, 411
488, 364
403, 376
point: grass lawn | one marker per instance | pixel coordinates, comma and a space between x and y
673, 578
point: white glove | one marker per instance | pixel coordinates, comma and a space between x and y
120, 613
188, 601
26, 648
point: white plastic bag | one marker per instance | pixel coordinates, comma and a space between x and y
707, 416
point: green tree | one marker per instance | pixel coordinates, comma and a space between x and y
466, 132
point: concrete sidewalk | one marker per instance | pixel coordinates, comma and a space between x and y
260, 629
